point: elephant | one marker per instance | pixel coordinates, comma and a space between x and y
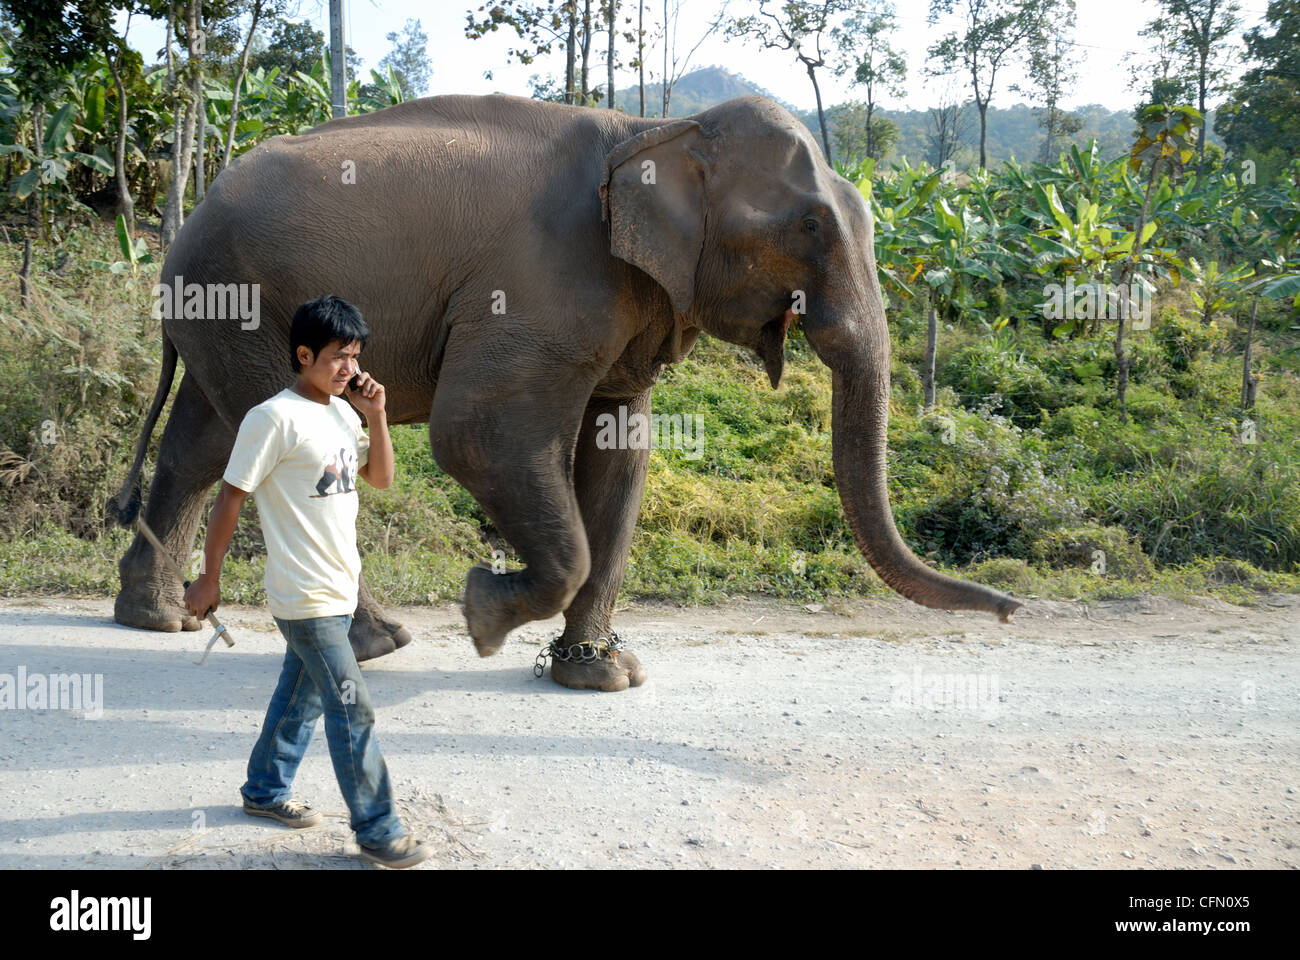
526, 269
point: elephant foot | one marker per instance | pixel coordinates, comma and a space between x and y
488, 622
372, 635
621, 671
149, 613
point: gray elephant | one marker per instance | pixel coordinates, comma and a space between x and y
525, 268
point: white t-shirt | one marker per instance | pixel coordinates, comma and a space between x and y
300, 459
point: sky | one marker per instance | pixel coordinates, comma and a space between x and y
1106, 30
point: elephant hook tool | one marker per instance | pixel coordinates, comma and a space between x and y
219, 628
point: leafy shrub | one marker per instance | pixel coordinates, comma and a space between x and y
1079, 547
1182, 340
1001, 491
997, 369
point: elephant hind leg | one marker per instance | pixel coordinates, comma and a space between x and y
192, 456
372, 634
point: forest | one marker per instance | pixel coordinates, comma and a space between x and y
1096, 335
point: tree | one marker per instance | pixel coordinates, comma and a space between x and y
865, 52
640, 51
1160, 76
948, 123
294, 47
258, 6
52, 38
185, 110
994, 35
858, 133
611, 16
1199, 29
122, 61
585, 46
1051, 74
798, 22
675, 67
1262, 109
409, 59
1162, 142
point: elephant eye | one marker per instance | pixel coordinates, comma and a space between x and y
810, 224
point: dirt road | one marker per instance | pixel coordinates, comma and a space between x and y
1141, 733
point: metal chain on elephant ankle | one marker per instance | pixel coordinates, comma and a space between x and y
587, 651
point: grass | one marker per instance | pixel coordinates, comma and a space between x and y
1021, 477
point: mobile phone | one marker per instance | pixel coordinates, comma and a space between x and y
352, 384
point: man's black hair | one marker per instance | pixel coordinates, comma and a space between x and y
318, 322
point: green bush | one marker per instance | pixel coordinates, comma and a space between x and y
1183, 340
997, 370
1108, 551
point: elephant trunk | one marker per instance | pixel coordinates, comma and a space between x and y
859, 423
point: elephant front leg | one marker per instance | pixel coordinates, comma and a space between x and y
608, 484
508, 438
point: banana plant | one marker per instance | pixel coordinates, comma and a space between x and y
57, 155
385, 90
1215, 288
1280, 281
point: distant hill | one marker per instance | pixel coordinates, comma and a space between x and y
1012, 131
698, 90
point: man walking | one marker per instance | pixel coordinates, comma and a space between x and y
299, 451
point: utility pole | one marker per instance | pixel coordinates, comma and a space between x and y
338, 61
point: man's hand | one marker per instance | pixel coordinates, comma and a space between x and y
369, 396
203, 595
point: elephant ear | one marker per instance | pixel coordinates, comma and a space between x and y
653, 198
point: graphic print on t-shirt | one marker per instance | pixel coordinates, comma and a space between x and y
338, 475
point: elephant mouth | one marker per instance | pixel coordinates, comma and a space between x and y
771, 346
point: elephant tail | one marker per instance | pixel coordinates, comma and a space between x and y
126, 505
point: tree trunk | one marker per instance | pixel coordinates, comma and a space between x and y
984, 110
613, 13
667, 87
239, 82
1200, 140
1248, 382
1130, 267
33, 206
200, 137
821, 114
570, 52
870, 106
586, 48
171, 210
25, 271
125, 204
931, 341
183, 144
640, 48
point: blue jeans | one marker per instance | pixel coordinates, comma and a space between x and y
320, 675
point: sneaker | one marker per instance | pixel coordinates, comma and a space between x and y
398, 854
292, 813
